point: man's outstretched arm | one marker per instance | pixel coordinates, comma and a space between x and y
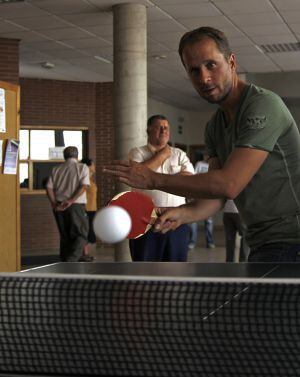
227, 182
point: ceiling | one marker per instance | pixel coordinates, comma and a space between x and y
76, 36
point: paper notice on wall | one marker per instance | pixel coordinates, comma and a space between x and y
56, 153
1, 155
2, 111
11, 157
1, 146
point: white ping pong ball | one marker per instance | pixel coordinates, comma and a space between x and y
112, 224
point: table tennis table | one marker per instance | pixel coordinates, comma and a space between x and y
173, 269
151, 319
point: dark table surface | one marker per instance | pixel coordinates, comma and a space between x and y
171, 269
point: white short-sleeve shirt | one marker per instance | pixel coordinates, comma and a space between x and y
66, 178
176, 163
230, 207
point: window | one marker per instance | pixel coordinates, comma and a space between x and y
41, 150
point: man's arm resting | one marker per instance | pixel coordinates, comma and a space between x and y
67, 203
158, 158
184, 173
51, 197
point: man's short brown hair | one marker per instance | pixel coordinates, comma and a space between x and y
200, 33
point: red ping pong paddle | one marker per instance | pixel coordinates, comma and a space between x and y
140, 208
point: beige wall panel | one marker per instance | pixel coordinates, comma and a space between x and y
9, 189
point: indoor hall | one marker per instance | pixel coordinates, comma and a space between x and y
89, 75
62, 56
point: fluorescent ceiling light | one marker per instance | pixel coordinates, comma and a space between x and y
47, 65
10, 1
159, 57
102, 59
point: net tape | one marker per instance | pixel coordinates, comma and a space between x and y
148, 328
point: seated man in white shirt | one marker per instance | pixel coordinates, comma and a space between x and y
160, 157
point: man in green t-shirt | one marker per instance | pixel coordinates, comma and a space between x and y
254, 148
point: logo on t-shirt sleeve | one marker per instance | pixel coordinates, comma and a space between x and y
256, 122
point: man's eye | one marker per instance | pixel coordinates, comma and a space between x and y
211, 65
194, 72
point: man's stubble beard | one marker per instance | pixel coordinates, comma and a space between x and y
224, 95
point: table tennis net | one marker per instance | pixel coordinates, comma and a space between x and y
114, 327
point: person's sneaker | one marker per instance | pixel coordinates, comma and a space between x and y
211, 246
191, 246
86, 258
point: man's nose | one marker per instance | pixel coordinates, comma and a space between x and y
204, 76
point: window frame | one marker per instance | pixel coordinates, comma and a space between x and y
30, 190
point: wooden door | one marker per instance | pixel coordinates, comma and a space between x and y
10, 258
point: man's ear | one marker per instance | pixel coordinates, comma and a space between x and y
232, 61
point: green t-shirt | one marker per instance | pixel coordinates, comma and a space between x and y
270, 203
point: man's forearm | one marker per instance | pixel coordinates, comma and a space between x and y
51, 197
67, 203
171, 218
209, 185
184, 173
157, 159
201, 209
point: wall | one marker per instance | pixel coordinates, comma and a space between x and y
192, 123
64, 103
9, 60
285, 84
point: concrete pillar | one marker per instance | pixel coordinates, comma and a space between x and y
130, 87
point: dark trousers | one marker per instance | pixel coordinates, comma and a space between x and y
209, 228
233, 225
73, 228
276, 252
157, 247
91, 235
